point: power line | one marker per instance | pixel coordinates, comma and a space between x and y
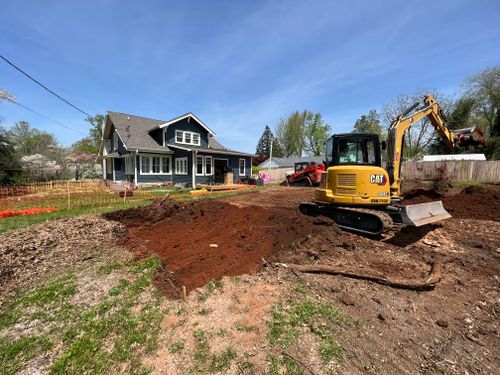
42, 85
45, 117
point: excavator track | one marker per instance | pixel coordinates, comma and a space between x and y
360, 220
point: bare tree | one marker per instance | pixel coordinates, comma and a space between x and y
421, 134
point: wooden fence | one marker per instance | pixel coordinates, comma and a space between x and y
456, 170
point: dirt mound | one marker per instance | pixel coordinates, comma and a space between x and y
205, 240
472, 202
422, 195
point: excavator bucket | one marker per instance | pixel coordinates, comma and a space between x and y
424, 213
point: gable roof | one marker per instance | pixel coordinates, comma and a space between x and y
133, 131
188, 115
290, 162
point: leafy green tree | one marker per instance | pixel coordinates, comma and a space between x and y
95, 132
316, 133
264, 145
84, 146
30, 141
484, 87
460, 117
495, 130
8, 160
290, 133
369, 123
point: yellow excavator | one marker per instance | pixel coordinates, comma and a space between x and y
359, 194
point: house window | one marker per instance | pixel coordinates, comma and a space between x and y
208, 165
181, 166
179, 136
187, 138
242, 167
165, 165
115, 141
155, 164
199, 165
145, 164
129, 165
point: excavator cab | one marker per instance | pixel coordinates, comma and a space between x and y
354, 173
353, 149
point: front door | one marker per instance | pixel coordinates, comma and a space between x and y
220, 169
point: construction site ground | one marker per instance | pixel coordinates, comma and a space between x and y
208, 286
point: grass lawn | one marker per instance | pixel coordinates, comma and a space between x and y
79, 334
13, 222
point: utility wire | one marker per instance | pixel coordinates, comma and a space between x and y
45, 117
42, 85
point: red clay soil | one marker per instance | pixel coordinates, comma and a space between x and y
204, 240
473, 202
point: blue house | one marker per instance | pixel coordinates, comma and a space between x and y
182, 150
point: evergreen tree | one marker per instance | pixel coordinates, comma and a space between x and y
264, 144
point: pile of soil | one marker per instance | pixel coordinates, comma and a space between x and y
205, 240
472, 202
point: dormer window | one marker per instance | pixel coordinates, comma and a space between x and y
187, 138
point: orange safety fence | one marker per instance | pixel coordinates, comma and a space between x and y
31, 211
66, 195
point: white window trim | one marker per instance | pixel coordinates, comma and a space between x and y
202, 165
185, 159
150, 173
184, 138
244, 167
211, 165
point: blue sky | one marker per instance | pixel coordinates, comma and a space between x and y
238, 65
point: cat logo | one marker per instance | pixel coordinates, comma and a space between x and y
378, 179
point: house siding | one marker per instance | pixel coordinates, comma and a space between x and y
157, 135
233, 162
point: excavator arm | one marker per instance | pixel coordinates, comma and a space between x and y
400, 127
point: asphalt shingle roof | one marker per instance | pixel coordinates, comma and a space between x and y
133, 131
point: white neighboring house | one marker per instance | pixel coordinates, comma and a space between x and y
454, 157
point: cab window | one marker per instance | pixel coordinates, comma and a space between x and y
329, 151
356, 151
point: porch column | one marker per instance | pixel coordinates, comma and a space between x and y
194, 170
113, 164
135, 167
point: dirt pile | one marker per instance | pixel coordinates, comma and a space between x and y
205, 240
472, 202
